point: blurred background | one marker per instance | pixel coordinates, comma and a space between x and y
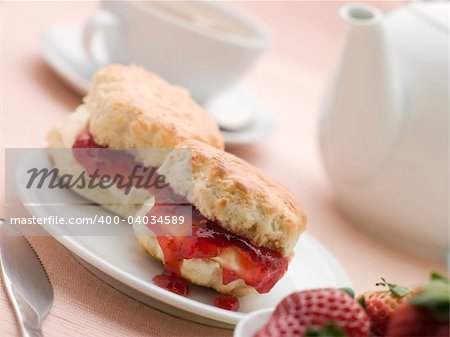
290, 77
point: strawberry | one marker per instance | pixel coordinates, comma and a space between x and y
380, 305
410, 321
317, 312
427, 312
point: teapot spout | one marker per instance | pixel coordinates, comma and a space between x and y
361, 117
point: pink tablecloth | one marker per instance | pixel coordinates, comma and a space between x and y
291, 78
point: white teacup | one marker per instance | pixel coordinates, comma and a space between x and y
203, 46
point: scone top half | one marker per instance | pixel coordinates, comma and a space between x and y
130, 107
241, 198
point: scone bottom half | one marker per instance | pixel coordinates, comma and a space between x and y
218, 255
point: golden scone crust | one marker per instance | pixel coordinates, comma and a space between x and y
131, 107
239, 196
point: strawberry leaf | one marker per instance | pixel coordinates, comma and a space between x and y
434, 296
362, 302
330, 330
437, 276
349, 291
395, 289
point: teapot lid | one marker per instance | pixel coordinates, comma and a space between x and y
435, 13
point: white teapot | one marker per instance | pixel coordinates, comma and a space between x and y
384, 127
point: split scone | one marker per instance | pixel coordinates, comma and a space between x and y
130, 108
244, 224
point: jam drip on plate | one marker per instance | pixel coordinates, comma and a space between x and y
259, 267
227, 302
172, 282
175, 283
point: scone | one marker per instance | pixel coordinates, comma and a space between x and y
133, 109
244, 224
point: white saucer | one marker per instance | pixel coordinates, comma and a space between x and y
250, 324
61, 48
113, 254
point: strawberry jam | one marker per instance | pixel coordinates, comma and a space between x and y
240, 258
117, 164
172, 282
107, 162
85, 140
227, 302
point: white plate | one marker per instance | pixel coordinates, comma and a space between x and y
120, 261
61, 48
